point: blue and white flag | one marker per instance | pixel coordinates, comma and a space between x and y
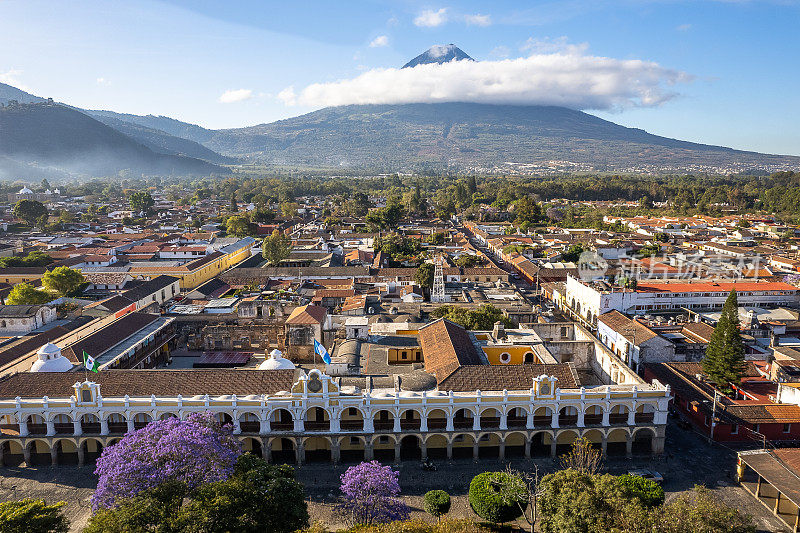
320, 350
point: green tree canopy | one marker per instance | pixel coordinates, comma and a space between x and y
141, 201
424, 275
30, 211
32, 516
482, 318
239, 226
26, 294
33, 259
63, 280
276, 248
724, 360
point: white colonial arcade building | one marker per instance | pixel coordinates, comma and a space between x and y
288, 415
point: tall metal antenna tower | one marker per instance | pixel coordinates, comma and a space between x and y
437, 293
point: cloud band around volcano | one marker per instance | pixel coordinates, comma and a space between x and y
569, 79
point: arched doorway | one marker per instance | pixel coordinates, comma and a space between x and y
249, 423
564, 441
351, 420
540, 444
595, 437
543, 417
66, 452
616, 442
283, 451
410, 448
92, 449
351, 449
117, 424
383, 448
317, 450
140, 420
251, 445
410, 420
281, 420
463, 446
645, 414
463, 419
437, 419
383, 421
490, 419
618, 415
436, 446
12, 453
593, 416
643, 442
90, 424
63, 424
517, 418
568, 416
39, 453
515, 444
489, 446
36, 425
317, 419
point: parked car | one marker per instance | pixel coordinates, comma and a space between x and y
652, 475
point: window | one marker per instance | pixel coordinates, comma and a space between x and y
86, 395
757, 428
505, 358
735, 429
383, 440
787, 428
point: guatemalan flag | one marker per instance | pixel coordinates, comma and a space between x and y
320, 350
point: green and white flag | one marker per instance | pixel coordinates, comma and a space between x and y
90, 363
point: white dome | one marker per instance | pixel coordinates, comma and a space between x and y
276, 361
25, 190
51, 360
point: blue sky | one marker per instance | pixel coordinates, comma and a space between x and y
718, 72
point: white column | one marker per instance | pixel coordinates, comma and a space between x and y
554, 422
51, 428
503, 420
103, 426
76, 427
632, 417
529, 420
581, 417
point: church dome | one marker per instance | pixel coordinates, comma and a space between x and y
51, 360
276, 361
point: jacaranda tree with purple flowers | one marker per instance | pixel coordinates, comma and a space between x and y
369, 495
191, 452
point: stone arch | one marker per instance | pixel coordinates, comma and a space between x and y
251, 445
410, 420
517, 417
643, 441
90, 424
223, 418
249, 422
490, 418
140, 420
436, 446
564, 440
13, 454
281, 419
618, 416
540, 445
9, 425
410, 448
62, 424
594, 436
39, 452
568, 416
463, 418
164, 416
515, 444
317, 419
489, 445
383, 420
616, 442
36, 424
437, 419
117, 423
351, 419
593, 415
463, 445
383, 447
645, 413
92, 449
352, 449
529, 358
282, 450
66, 452
543, 417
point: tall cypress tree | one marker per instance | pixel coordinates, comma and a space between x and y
724, 361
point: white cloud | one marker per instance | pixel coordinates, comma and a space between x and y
235, 95
11, 77
380, 40
431, 19
684, 27
478, 20
103, 81
568, 78
552, 46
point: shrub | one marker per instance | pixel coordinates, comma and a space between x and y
647, 491
437, 503
32, 516
497, 496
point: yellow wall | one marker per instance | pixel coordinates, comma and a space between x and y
413, 355
517, 354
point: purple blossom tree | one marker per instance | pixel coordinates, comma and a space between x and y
193, 451
370, 493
